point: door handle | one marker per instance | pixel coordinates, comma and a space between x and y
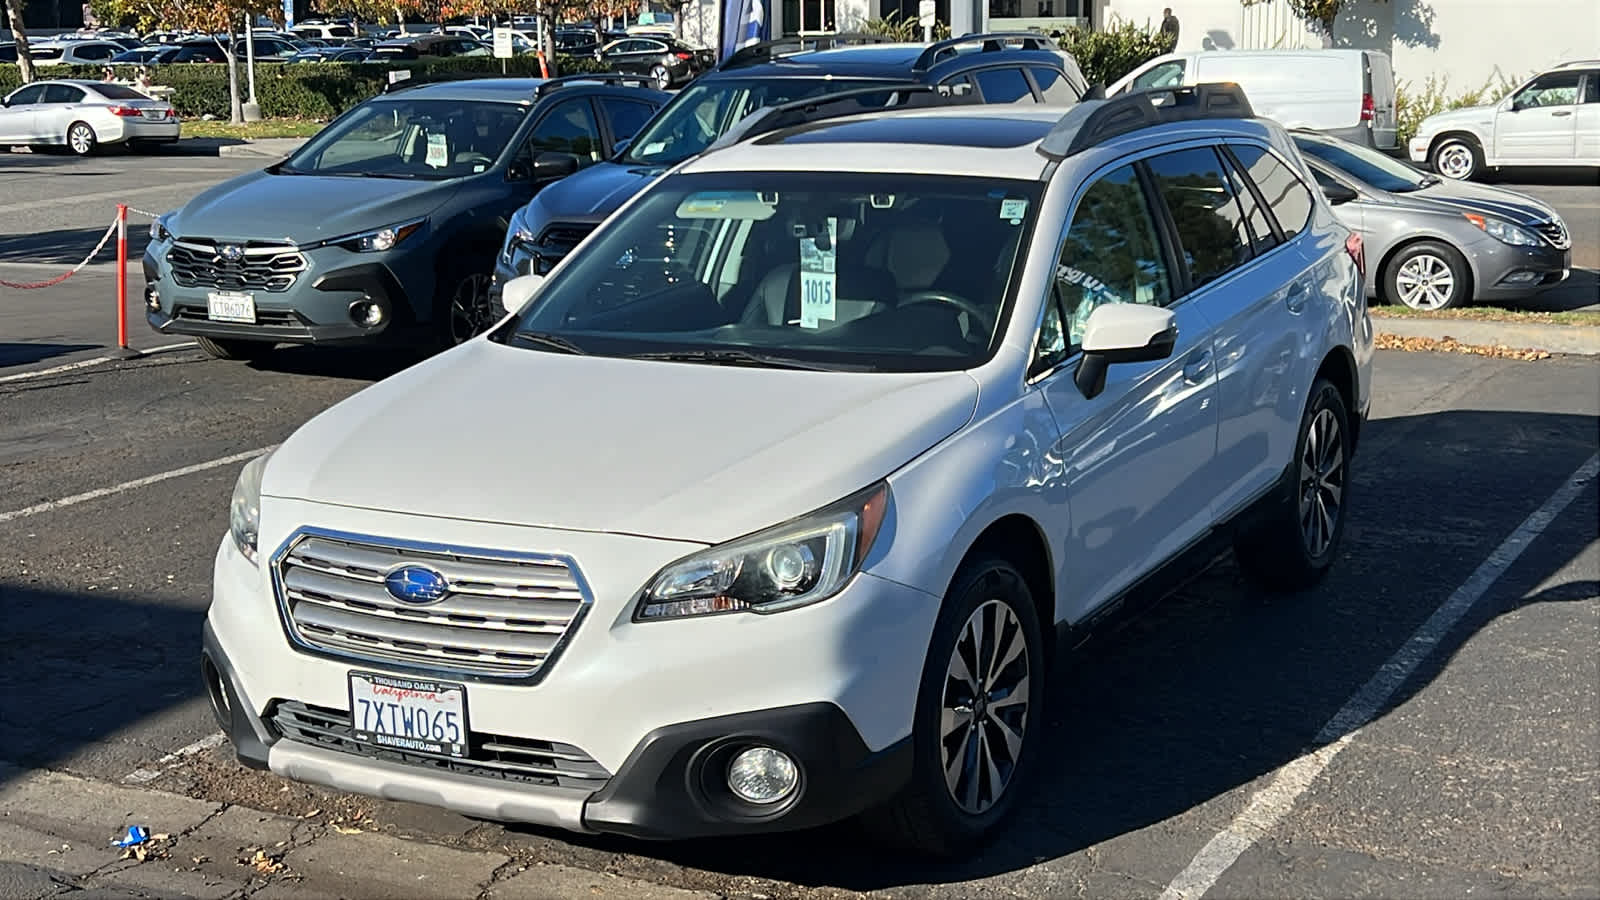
1562, 112
1297, 296
1195, 369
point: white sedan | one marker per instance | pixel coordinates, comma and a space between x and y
83, 115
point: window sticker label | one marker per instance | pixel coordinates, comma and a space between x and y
438, 151
819, 278
1013, 210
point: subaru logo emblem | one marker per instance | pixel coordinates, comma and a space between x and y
231, 252
416, 585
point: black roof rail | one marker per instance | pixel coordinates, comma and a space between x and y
611, 78
991, 42
813, 109
766, 51
1095, 121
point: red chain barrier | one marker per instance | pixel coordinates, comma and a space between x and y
34, 285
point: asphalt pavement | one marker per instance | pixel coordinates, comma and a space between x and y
1424, 724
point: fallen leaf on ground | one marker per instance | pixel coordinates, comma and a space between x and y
265, 863
1451, 345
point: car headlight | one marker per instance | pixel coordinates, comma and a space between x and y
244, 510
517, 233
800, 562
158, 227
376, 240
1504, 231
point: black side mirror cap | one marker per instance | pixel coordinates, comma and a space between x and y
1338, 193
1091, 374
551, 165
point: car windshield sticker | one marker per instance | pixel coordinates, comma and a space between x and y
740, 205
654, 147
818, 276
1013, 210
438, 151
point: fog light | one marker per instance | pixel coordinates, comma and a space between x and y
366, 314
762, 775
152, 298
1520, 278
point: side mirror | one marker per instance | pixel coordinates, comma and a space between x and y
1338, 193
518, 291
551, 165
1096, 91
1123, 333
621, 147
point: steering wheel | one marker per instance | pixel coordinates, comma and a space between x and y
978, 314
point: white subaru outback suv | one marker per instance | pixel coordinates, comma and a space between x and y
777, 501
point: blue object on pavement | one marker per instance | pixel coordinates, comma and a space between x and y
137, 834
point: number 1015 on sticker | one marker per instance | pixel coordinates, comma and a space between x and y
407, 714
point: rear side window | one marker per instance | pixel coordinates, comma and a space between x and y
1212, 233
1255, 215
1003, 86
1288, 196
1591, 90
62, 93
1053, 85
625, 117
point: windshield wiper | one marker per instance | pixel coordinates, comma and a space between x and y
733, 358
408, 175
547, 341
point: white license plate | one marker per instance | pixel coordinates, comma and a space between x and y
409, 714
231, 307
155, 113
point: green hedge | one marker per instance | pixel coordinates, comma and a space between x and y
300, 91
1106, 55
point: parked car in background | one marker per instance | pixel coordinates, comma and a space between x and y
8, 51
198, 50
1553, 119
576, 42
331, 54
382, 228
666, 61
83, 116
146, 56
1011, 68
74, 53
1436, 244
331, 32
430, 46
1347, 93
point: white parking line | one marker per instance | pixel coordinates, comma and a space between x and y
1272, 803
86, 363
145, 776
97, 493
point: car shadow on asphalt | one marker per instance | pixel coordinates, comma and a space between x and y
22, 354
68, 246
349, 363
1543, 175
1220, 685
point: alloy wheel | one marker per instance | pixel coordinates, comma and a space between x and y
1425, 281
1322, 481
470, 312
662, 76
1455, 161
81, 139
984, 714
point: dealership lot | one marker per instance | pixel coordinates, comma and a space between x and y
1217, 743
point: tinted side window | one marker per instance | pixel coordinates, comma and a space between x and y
625, 117
959, 85
28, 95
568, 128
1552, 89
1255, 216
1288, 196
1167, 74
1053, 85
1003, 86
95, 51
1111, 253
1211, 229
1591, 90
62, 93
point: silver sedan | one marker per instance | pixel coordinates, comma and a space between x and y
1435, 244
84, 115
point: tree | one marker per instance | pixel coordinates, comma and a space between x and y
1318, 13
19, 31
218, 18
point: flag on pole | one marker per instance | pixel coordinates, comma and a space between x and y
743, 23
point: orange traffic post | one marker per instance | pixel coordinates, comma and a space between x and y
122, 278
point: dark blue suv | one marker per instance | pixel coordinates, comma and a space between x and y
992, 68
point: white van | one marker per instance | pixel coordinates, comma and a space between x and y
1346, 93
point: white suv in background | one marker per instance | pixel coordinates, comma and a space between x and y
777, 500
1552, 120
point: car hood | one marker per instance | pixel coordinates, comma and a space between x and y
682, 451
1461, 197
597, 191
1466, 115
305, 208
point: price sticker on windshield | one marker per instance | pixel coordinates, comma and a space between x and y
438, 151
819, 276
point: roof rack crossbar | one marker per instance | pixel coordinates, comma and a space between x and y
836, 104
1096, 121
991, 42
766, 51
611, 78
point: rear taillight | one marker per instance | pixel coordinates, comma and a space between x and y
1354, 246
1368, 108
684, 56
131, 112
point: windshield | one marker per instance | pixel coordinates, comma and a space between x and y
704, 111
850, 271
411, 138
1370, 166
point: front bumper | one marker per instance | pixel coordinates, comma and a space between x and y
1505, 272
654, 711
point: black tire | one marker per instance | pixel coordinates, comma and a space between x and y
661, 77
1457, 158
81, 140
229, 348
925, 818
453, 309
1427, 275
1282, 551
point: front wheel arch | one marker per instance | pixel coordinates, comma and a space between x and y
1383, 266
1471, 139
